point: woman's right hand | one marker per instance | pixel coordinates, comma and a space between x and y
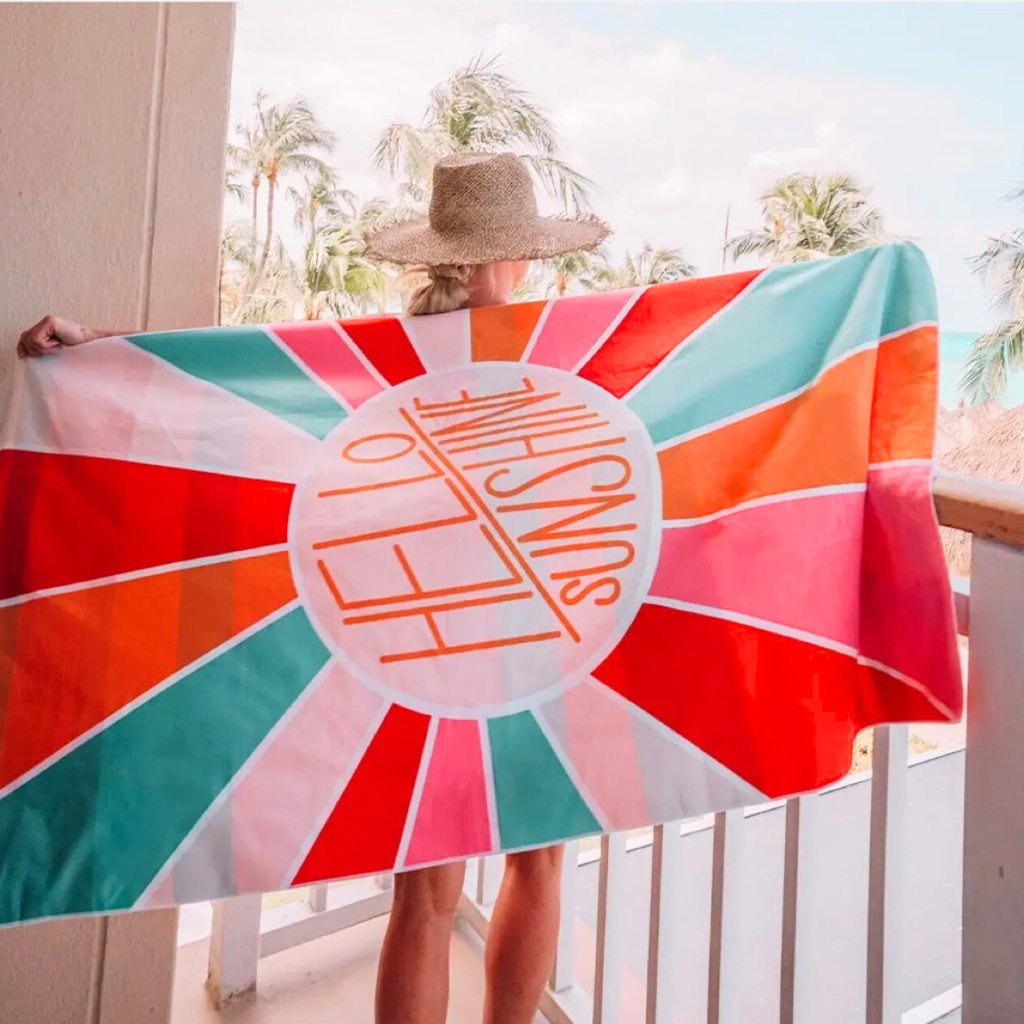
50, 334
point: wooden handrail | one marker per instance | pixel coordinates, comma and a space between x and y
982, 507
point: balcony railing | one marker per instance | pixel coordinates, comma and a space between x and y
991, 614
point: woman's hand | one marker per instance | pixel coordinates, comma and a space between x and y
52, 333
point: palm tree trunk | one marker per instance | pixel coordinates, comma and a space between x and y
265, 254
250, 278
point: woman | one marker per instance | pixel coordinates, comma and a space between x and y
473, 250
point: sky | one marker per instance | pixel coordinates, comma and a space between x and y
680, 112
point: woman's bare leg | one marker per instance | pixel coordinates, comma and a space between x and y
412, 980
522, 936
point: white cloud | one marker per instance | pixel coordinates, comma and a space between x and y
671, 138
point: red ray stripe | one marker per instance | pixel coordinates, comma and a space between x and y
780, 713
364, 831
661, 318
71, 518
384, 342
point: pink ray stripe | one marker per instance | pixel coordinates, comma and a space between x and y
901, 542
794, 562
574, 325
453, 819
161, 895
442, 342
330, 358
114, 400
281, 800
596, 733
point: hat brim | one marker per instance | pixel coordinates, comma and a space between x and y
416, 242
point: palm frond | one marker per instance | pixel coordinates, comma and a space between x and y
993, 357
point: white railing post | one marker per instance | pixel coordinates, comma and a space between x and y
723, 954
316, 897
611, 895
797, 896
234, 949
488, 879
562, 974
993, 900
666, 916
885, 875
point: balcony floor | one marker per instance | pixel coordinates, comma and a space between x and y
323, 982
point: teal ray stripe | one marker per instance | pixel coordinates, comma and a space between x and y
537, 801
249, 363
91, 831
782, 332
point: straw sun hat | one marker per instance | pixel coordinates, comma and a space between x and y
483, 210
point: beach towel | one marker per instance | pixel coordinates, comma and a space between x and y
323, 599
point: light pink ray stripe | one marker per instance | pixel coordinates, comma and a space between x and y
574, 325
282, 799
328, 355
795, 563
161, 895
907, 616
113, 400
442, 342
596, 733
453, 819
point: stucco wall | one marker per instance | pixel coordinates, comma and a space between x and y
112, 131
112, 128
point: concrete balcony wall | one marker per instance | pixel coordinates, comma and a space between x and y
112, 128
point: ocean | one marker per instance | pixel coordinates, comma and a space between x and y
953, 349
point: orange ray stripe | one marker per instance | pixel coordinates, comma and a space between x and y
906, 382
817, 439
501, 333
70, 660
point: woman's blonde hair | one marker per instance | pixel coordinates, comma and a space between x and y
440, 289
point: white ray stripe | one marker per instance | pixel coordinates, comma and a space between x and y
417, 793
147, 696
900, 463
687, 746
569, 768
542, 320
768, 499
233, 783
361, 356
308, 370
750, 620
489, 786
908, 681
693, 335
799, 634
772, 403
194, 378
610, 329
343, 780
145, 460
467, 328
140, 574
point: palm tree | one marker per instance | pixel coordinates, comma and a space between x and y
573, 270
648, 266
810, 216
477, 110
337, 277
321, 200
996, 354
275, 296
279, 141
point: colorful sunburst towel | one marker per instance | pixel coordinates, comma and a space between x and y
287, 604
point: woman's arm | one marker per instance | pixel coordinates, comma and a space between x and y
52, 333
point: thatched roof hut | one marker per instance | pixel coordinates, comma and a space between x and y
996, 453
955, 427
